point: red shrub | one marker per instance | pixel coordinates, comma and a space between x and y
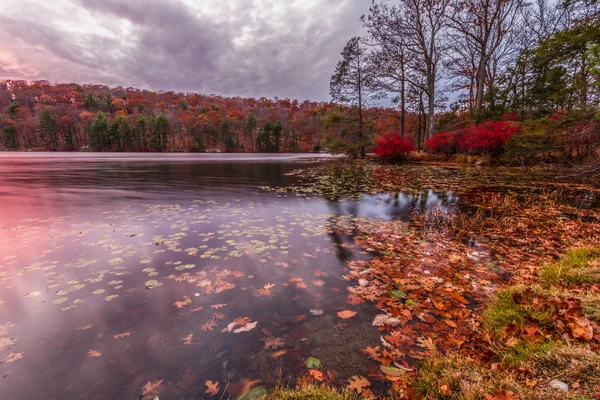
392, 147
443, 142
487, 138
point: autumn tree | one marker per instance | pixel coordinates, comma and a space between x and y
349, 85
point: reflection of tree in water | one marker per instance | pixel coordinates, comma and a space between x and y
386, 207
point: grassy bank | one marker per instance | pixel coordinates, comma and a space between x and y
536, 341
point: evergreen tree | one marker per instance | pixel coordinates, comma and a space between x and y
277, 131
251, 127
99, 132
227, 135
9, 137
264, 137
90, 102
48, 130
160, 133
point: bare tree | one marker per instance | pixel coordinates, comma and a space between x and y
482, 26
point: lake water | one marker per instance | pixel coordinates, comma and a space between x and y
121, 269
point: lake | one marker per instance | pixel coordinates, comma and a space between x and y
119, 270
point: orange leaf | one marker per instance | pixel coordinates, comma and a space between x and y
122, 335
346, 314
318, 375
358, 383
94, 353
151, 387
188, 339
213, 388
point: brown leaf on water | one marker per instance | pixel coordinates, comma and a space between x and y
188, 339
151, 388
354, 299
208, 326
122, 335
300, 318
279, 353
6, 342
274, 343
213, 388
372, 352
199, 308
5, 327
241, 321
317, 374
358, 383
243, 386
346, 314
180, 304
12, 357
217, 306
94, 353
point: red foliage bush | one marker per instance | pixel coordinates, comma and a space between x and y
443, 142
487, 138
392, 147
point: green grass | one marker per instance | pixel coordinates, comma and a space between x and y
503, 310
321, 392
575, 267
524, 351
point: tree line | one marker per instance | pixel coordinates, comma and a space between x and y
41, 115
456, 63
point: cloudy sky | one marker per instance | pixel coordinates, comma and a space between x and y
285, 48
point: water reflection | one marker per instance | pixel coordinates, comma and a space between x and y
126, 259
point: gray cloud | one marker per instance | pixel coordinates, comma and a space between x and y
244, 47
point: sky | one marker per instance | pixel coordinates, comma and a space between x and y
250, 48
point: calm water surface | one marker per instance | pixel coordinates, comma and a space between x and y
120, 269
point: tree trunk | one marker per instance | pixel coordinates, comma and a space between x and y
402, 100
481, 72
431, 110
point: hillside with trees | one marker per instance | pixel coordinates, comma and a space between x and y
42, 115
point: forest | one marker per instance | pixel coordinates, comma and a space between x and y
490, 77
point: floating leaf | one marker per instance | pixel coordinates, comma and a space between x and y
213, 388
151, 388
346, 314
12, 357
246, 328
316, 311
313, 363
32, 294
111, 297
94, 353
